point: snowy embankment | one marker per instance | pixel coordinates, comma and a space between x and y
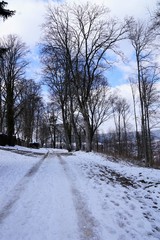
54, 195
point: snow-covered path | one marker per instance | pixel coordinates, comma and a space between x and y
45, 204
79, 196
40, 206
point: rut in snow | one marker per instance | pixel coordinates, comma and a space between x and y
87, 224
15, 193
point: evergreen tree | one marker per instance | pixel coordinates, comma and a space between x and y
5, 13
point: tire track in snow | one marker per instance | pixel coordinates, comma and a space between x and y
87, 223
15, 193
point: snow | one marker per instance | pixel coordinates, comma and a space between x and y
52, 194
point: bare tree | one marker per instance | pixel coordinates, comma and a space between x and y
134, 90
12, 69
99, 108
151, 98
82, 34
47, 126
4, 13
121, 114
30, 107
142, 38
55, 78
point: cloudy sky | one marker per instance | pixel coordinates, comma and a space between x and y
30, 15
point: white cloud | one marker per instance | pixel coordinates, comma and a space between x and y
27, 20
137, 8
30, 15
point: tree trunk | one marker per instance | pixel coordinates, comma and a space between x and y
143, 125
76, 134
67, 130
136, 124
88, 136
67, 138
10, 116
119, 136
150, 153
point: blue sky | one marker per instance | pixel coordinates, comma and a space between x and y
30, 15
115, 77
